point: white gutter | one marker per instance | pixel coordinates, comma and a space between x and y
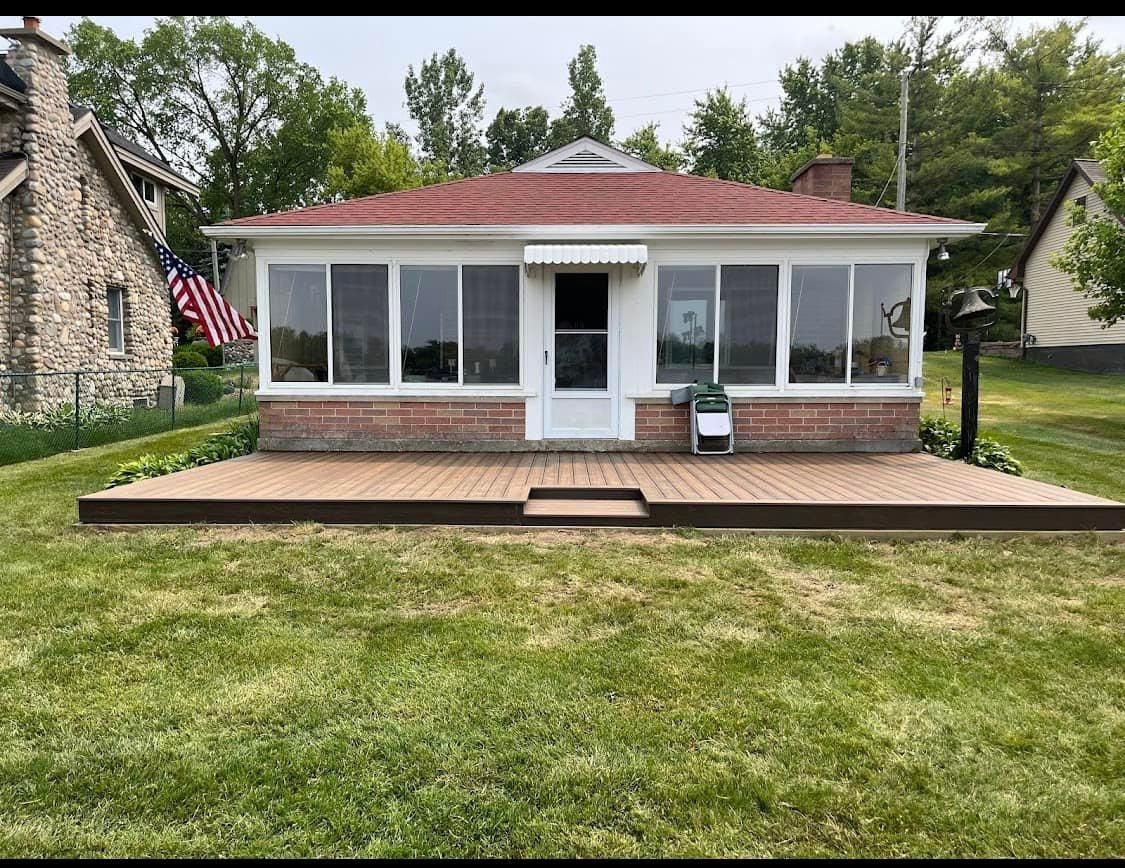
587, 231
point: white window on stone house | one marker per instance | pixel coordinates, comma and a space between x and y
115, 303
146, 188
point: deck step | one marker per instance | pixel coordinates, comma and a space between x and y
578, 508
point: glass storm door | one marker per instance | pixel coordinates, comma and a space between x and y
581, 397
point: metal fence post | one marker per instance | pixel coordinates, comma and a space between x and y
173, 428
77, 410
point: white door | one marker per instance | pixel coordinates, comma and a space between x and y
581, 371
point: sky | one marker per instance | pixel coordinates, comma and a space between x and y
647, 63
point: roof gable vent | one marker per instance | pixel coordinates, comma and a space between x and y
586, 160
586, 155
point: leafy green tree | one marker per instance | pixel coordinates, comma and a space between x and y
645, 144
585, 112
364, 162
516, 136
1055, 89
720, 140
222, 103
1094, 254
448, 110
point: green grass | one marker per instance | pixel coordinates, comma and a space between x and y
26, 444
317, 691
1067, 427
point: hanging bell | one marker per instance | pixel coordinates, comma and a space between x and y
900, 325
972, 309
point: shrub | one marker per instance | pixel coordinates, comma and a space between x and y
240, 439
186, 357
940, 437
213, 355
202, 387
943, 438
989, 453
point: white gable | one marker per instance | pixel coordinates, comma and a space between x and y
586, 155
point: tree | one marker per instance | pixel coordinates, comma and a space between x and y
224, 104
585, 112
448, 111
364, 163
516, 136
645, 145
720, 140
1094, 254
1054, 91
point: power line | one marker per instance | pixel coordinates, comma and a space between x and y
693, 90
685, 109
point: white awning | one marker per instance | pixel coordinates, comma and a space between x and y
571, 254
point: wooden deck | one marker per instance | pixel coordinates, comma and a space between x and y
850, 491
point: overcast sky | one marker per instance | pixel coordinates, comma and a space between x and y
522, 61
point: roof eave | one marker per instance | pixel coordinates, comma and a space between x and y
946, 231
167, 178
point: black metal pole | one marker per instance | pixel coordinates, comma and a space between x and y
174, 398
970, 391
77, 414
241, 379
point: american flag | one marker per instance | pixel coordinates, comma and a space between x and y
201, 303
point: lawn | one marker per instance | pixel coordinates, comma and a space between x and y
1067, 427
325, 691
18, 443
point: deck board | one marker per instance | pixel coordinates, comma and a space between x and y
838, 490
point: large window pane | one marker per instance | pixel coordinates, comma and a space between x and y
298, 323
748, 324
429, 323
360, 324
490, 306
818, 323
881, 323
581, 360
685, 324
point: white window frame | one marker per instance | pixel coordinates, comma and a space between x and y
785, 265
847, 387
396, 387
118, 350
782, 286
145, 184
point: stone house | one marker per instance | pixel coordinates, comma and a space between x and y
80, 284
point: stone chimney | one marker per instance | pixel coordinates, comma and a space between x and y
825, 176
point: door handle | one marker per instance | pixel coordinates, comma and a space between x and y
545, 358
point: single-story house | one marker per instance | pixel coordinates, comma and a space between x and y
556, 307
1057, 328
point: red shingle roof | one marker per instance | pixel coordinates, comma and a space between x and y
625, 198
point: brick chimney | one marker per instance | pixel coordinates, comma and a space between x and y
825, 176
30, 22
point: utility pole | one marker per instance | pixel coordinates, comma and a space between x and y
903, 104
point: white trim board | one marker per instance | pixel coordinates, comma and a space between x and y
607, 231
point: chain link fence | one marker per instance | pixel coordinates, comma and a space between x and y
45, 413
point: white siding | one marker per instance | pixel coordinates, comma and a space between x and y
1057, 314
635, 303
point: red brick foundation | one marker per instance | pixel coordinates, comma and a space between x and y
844, 420
499, 425
287, 422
